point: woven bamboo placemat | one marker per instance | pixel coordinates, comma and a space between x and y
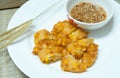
7, 67
8, 4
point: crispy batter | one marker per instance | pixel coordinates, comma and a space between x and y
46, 47
63, 28
78, 48
67, 43
69, 63
91, 54
48, 55
49, 51
66, 32
78, 34
40, 35
79, 55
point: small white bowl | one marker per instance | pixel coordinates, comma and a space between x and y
107, 6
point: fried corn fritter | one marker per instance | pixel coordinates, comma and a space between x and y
46, 47
79, 55
67, 43
66, 32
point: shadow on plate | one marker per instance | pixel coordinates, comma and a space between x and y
102, 32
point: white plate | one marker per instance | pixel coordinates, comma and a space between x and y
108, 38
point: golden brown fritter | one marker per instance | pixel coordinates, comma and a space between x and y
78, 34
66, 32
49, 51
46, 47
67, 43
70, 64
78, 48
91, 54
63, 28
79, 55
40, 35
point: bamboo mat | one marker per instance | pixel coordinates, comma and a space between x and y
8, 4
7, 67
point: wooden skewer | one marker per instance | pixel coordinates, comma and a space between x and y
9, 36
